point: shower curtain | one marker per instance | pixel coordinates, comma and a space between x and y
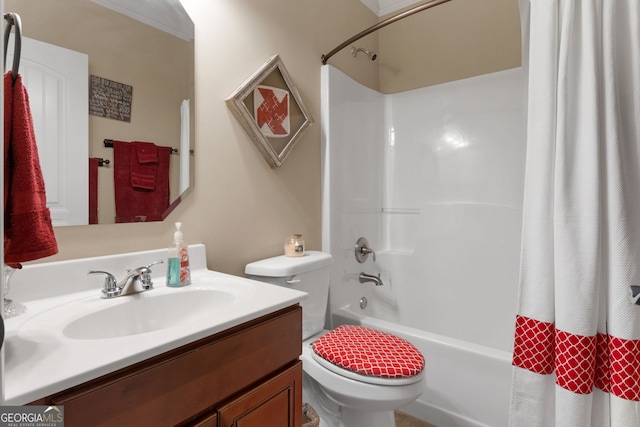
576, 359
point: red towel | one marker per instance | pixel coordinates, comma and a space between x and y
146, 153
93, 190
143, 181
135, 204
144, 165
28, 232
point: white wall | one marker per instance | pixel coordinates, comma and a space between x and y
438, 193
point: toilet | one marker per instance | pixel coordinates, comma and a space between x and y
353, 376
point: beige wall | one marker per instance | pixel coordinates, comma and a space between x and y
241, 208
452, 41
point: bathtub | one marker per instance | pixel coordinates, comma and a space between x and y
468, 385
451, 290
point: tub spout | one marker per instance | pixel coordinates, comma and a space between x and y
376, 280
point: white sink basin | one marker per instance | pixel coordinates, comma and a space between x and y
95, 318
140, 314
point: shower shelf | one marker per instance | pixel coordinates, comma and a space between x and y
405, 211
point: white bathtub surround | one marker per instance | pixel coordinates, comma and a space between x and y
581, 218
433, 179
50, 348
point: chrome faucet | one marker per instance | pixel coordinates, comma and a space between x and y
376, 280
137, 280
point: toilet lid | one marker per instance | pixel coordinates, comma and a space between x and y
369, 352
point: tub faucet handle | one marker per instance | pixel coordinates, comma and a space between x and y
363, 250
368, 251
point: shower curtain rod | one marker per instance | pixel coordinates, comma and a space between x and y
381, 24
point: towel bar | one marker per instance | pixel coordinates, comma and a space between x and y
108, 143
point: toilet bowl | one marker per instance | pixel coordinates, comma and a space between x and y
362, 401
353, 376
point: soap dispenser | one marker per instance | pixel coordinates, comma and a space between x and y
178, 273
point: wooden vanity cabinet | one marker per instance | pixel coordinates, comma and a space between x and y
246, 376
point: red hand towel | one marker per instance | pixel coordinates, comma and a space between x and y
143, 181
146, 152
144, 162
28, 232
93, 190
135, 204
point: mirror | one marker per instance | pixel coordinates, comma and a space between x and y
146, 48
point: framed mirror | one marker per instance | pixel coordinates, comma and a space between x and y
145, 46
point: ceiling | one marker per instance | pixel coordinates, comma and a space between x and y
165, 15
384, 7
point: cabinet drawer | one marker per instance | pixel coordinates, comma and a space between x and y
187, 382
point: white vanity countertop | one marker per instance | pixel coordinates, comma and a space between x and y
41, 360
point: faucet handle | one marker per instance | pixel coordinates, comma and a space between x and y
363, 250
145, 275
145, 269
154, 263
367, 251
110, 288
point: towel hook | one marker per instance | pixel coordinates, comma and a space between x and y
13, 19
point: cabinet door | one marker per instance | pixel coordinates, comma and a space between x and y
209, 421
275, 403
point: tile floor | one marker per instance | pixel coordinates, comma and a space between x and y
404, 420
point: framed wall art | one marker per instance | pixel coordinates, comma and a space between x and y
271, 111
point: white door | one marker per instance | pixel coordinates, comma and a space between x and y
57, 81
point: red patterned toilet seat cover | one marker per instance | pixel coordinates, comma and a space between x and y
369, 352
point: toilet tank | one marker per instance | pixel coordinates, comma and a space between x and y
308, 273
